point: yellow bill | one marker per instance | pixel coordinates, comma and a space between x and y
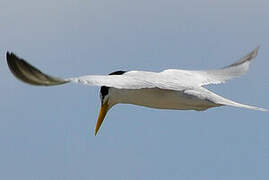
101, 116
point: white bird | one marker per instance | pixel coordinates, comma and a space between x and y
169, 89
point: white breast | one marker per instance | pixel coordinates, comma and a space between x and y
159, 98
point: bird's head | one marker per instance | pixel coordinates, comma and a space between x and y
106, 102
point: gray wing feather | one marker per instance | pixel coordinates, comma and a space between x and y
205, 77
29, 74
234, 70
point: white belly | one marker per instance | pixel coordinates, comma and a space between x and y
160, 98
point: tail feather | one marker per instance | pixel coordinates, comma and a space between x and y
235, 104
227, 102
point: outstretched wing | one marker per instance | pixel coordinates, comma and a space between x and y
31, 75
216, 76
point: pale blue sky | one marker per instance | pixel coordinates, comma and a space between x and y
48, 133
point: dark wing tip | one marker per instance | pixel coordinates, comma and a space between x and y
253, 53
28, 73
11, 56
250, 56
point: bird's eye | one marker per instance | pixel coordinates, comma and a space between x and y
103, 92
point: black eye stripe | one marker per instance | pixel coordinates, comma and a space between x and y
104, 89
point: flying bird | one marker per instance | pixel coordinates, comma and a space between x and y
169, 89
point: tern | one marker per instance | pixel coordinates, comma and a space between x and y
169, 89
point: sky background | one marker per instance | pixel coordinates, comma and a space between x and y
48, 133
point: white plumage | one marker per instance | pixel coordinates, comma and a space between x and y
169, 89
172, 79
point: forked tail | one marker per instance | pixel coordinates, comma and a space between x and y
227, 102
235, 104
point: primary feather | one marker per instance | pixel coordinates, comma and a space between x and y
29, 74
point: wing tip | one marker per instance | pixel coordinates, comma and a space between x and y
12, 62
254, 53
11, 56
28, 73
250, 56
